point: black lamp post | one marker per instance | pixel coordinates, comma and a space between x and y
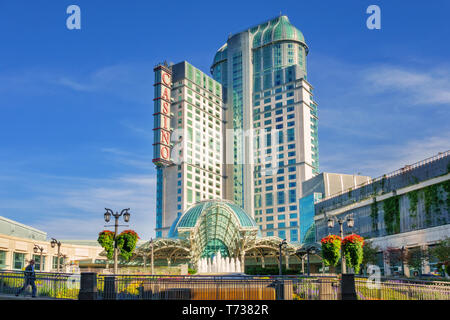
37, 249
282, 243
350, 223
126, 218
54, 243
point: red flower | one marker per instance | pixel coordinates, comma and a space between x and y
130, 232
331, 238
105, 232
353, 238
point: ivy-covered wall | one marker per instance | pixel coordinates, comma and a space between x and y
405, 177
422, 208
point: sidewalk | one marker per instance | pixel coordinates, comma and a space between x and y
25, 297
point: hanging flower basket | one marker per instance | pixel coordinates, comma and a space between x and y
352, 247
126, 242
331, 250
106, 240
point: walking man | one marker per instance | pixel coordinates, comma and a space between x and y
30, 276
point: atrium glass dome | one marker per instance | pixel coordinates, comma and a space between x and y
215, 225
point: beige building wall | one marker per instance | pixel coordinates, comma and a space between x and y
73, 253
332, 183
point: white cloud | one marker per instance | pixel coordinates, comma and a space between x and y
68, 207
130, 82
430, 87
378, 160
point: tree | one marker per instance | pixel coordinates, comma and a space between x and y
395, 256
369, 254
415, 257
441, 252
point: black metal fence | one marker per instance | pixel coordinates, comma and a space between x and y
401, 289
52, 285
232, 287
216, 287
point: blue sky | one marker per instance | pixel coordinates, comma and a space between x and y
76, 105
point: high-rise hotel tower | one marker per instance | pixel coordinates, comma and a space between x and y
249, 134
188, 151
270, 108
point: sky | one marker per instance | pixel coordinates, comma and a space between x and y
76, 105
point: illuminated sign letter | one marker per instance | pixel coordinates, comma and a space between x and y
162, 112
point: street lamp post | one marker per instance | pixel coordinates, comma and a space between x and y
282, 243
126, 218
350, 223
36, 249
54, 243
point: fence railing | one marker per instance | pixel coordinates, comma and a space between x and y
216, 287
402, 289
52, 285
241, 287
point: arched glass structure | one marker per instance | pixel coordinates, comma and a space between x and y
211, 226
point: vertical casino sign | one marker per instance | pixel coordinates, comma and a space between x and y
162, 115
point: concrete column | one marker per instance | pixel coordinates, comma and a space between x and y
243, 261
406, 271
287, 261
263, 262
303, 265
426, 265
387, 269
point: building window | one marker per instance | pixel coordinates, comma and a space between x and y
269, 199
294, 235
2, 259
280, 197
37, 262
19, 260
290, 134
55, 263
292, 196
